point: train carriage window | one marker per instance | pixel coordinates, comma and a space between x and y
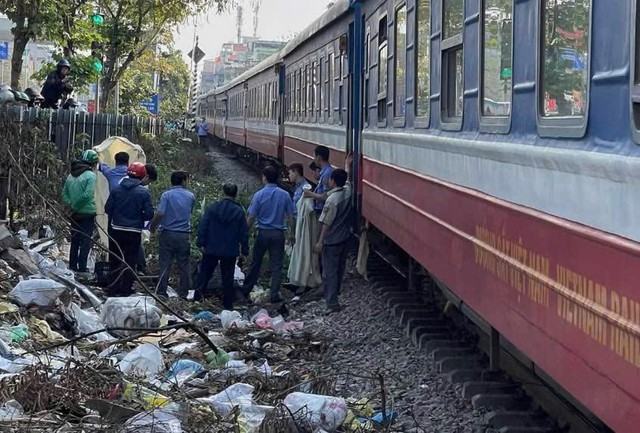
496, 59
332, 81
400, 60
452, 64
382, 71
314, 90
565, 59
423, 63
304, 90
288, 113
635, 85
321, 92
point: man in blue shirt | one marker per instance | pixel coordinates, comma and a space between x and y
320, 194
296, 177
203, 130
270, 207
174, 219
115, 175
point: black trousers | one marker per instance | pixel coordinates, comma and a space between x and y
124, 251
227, 268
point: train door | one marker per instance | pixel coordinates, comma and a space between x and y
281, 104
224, 116
355, 53
245, 111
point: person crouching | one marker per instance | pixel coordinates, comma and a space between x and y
223, 233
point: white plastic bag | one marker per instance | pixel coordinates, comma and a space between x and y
145, 360
157, 421
232, 319
40, 292
88, 321
323, 411
11, 411
224, 402
132, 312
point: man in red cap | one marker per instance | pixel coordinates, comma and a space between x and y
129, 206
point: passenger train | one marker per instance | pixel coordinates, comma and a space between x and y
497, 142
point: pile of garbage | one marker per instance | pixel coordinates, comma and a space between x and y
72, 360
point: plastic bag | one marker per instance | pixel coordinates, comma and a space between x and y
11, 411
40, 292
238, 276
145, 359
133, 312
184, 365
88, 321
322, 411
157, 421
224, 402
14, 334
232, 319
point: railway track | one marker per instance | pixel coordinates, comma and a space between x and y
496, 379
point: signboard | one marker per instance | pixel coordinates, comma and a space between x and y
152, 104
198, 56
91, 106
4, 50
506, 73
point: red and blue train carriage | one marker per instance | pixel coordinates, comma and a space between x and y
496, 142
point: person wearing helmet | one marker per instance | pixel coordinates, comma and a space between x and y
128, 207
70, 104
35, 98
56, 84
79, 195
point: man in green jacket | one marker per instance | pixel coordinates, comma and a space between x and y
79, 195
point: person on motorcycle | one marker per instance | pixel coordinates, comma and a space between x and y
56, 85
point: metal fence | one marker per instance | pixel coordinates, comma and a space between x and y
68, 128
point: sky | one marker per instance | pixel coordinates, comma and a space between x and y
278, 20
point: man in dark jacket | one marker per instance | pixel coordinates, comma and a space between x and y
56, 84
128, 207
221, 231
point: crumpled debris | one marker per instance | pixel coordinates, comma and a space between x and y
159, 381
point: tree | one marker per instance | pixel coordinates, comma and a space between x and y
28, 17
136, 83
132, 27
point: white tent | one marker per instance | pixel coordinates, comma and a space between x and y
107, 151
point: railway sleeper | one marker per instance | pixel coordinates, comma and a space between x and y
422, 335
413, 324
494, 401
504, 418
420, 314
448, 364
443, 353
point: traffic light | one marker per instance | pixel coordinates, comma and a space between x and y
96, 53
97, 19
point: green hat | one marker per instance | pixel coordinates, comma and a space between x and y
90, 156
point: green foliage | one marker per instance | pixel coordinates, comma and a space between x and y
82, 71
137, 83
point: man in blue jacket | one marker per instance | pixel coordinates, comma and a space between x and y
116, 174
221, 232
128, 207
